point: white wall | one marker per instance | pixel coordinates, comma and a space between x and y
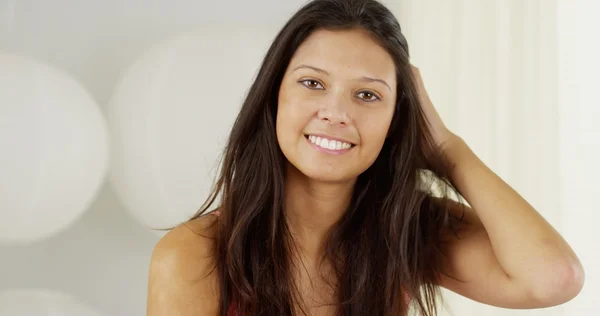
102, 260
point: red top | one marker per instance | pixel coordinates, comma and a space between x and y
231, 311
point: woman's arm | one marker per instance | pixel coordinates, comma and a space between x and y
508, 255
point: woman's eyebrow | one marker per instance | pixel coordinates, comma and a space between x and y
369, 79
313, 68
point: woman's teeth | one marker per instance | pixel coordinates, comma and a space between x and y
328, 143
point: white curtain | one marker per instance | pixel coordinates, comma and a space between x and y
492, 70
579, 118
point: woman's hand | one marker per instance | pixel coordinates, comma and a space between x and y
440, 131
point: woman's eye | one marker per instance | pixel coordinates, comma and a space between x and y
368, 96
312, 84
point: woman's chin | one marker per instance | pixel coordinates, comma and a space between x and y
328, 176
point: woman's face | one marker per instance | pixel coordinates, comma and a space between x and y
336, 104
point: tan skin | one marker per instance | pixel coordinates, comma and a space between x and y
509, 255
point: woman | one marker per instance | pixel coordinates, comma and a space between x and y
327, 206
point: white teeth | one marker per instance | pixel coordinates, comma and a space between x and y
328, 143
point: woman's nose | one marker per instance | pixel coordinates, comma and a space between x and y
334, 111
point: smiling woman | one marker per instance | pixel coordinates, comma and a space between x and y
324, 210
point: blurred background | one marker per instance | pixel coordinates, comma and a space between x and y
112, 115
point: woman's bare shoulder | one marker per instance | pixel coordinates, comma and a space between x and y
183, 279
190, 242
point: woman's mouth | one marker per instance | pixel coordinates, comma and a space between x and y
329, 144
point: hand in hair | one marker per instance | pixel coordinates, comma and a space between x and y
438, 128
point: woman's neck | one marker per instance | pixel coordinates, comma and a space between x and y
312, 208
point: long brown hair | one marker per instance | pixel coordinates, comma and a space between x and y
387, 243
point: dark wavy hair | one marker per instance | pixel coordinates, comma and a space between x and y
389, 240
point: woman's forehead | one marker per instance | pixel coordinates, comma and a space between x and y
352, 52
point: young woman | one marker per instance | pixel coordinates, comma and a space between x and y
326, 201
